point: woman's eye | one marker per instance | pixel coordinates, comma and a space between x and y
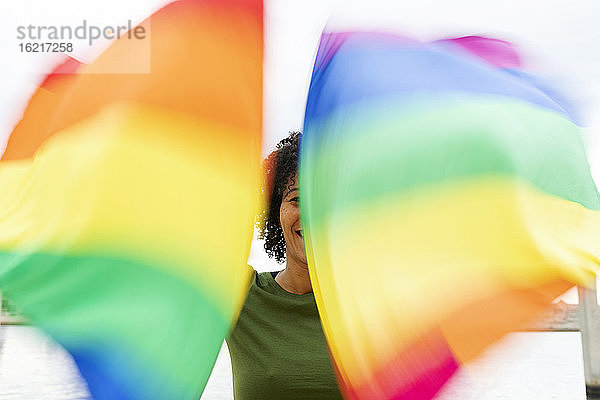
294, 199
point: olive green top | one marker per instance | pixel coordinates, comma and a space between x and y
278, 349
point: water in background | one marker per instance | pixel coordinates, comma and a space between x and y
32, 366
531, 365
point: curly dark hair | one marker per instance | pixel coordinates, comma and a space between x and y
280, 166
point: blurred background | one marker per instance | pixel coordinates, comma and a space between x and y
559, 39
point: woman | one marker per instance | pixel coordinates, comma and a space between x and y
278, 349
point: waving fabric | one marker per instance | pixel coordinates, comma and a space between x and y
445, 200
128, 200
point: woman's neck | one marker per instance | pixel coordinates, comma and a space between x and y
295, 278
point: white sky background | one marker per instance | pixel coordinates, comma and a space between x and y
559, 38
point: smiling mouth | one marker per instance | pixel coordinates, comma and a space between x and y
299, 233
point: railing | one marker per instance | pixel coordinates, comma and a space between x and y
7, 318
589, 325
585, 318
562, 317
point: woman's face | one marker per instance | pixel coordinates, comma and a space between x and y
289, 216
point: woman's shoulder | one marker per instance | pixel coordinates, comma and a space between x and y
266, 277
260, 298
262, 279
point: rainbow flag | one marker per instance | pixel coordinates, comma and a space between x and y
445, 199
128, 200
